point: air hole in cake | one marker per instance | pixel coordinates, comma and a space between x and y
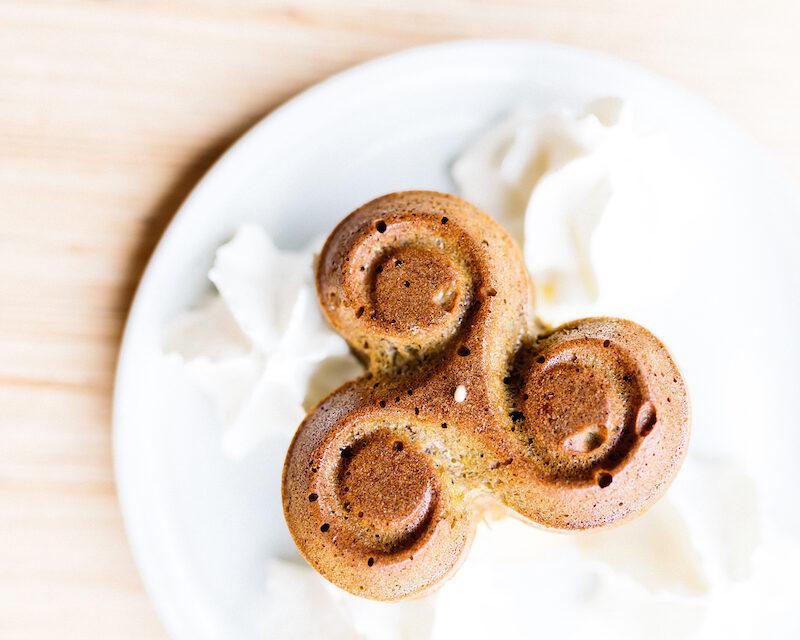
463, 351
382, 403
397, 446
359, 312
380, 226
378, 269
603, 479
313, 497
606, 343
325, 527
370, 562
444, 220
540, 359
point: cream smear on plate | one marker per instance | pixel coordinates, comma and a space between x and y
589, 197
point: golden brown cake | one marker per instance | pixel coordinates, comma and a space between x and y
467, 398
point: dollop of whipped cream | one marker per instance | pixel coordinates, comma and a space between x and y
259, 346
572, 188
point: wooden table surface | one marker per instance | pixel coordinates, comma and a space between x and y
110, 111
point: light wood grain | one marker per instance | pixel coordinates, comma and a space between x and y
111, 111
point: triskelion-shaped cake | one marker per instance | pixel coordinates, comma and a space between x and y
467, 398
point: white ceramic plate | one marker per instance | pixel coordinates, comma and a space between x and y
202, 526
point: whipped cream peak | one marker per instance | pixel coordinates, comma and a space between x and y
260, 348
580, 191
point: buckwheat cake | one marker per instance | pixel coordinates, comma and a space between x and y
468, 401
